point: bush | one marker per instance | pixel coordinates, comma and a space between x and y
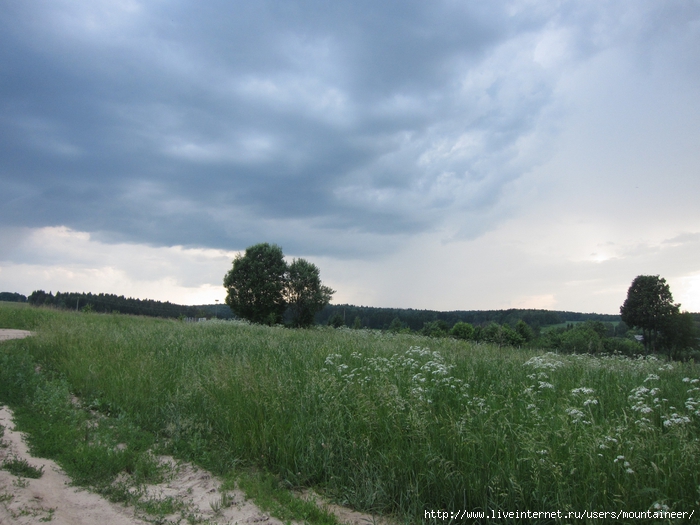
462, 330
622, 346
582, 339
435, 329
396, 325
501, 335
336, 321
524, 331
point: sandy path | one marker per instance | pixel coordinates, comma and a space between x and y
33, 501
26, 501
8, 333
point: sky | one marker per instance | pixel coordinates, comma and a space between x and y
446, 155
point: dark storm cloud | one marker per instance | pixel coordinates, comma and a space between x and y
333, 128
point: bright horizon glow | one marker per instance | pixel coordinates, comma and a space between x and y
83, 264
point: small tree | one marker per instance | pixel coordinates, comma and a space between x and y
581, 339
255, 284
462, 330
304, 292
648, 306
437, 328
396, 325
336, 320
524, 331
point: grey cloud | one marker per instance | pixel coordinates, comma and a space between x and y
339, 127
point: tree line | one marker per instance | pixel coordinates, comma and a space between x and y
382, 318
649, 321
109, 303
263, 288
13, 297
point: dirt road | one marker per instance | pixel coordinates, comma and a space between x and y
8, 333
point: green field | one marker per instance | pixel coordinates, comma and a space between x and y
392, 424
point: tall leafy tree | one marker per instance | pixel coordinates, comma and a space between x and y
255, 284
305, 294
678, 335
649, 306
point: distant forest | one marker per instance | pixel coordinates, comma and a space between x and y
12, 297
109, 303
382, 318
369, 316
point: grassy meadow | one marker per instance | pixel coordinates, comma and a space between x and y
392, 424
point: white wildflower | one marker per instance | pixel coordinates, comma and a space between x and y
582, 390
575, 413
675, 419
545, 362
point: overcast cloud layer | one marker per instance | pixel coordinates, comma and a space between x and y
447, 155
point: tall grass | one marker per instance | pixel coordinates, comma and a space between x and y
394, 424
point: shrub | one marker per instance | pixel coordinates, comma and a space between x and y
336, 321
435, 328
622, 346
501, 335
524, 331
582, 339
462, 330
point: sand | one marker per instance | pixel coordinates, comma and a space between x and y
7, 333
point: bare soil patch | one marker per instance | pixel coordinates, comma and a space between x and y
51, 498
9, 333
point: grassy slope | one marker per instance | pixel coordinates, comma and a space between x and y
384, 424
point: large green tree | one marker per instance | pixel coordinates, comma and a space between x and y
649, 306
255, 284
304, 292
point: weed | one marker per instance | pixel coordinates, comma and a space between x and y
21, 468
49, 515
21, 483
44, 515
267, 492
223, 502
160, 506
